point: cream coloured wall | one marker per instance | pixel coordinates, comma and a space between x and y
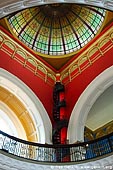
101, 112
11, 125
85, 102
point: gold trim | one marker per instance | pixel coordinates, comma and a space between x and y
102, 131
28, 59
91, 46
87, 54
78, 63
20, 111
18, 46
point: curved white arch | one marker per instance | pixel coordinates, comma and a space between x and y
31, 102
8, 6
85, 102
16, 128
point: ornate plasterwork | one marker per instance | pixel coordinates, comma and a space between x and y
52, 33
32, 104
26, 59
81, 63
88, 57
102, 131
9, 6
8, 162
85, 102
21, 113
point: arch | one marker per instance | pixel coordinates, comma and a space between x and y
12, 121
85, 102
18, 114
31, 102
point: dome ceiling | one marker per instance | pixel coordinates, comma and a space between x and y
57, 29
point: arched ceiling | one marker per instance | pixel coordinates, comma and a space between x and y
21, 113
102, 109
49, 31
54, 35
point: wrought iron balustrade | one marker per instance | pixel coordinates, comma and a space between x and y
56, 153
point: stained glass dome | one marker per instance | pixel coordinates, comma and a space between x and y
57, 29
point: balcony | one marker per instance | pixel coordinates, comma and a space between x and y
72, 156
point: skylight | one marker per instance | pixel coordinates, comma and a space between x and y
57, 30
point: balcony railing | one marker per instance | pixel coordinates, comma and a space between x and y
56, 153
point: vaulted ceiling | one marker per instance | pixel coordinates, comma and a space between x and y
56, 36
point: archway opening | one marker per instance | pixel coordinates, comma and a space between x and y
27, 107
86, 101
6, 125
100, 117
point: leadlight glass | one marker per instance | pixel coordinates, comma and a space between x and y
48, 30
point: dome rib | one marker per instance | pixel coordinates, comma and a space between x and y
63, 42
38, 32
57, 29
74, 33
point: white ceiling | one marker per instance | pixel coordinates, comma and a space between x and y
102, 111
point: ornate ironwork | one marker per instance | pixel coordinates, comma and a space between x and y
56, 153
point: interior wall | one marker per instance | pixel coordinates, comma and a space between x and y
32, 104
13, 123
101, 112
44, 91
86, 100
37, 85
74, 89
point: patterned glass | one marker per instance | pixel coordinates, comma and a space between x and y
48, 30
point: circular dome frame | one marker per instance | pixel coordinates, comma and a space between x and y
57, 35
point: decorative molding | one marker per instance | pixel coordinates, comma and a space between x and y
85, 102
10, 162
9, 6
88, 57
30, 101
26, 59
97, 50
102, 131
11, 116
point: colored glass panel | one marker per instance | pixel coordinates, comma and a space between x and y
47, 30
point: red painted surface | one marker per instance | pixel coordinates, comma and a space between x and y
43, 90
63, 116
75, 88
28, 49
63, 135
86, 46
